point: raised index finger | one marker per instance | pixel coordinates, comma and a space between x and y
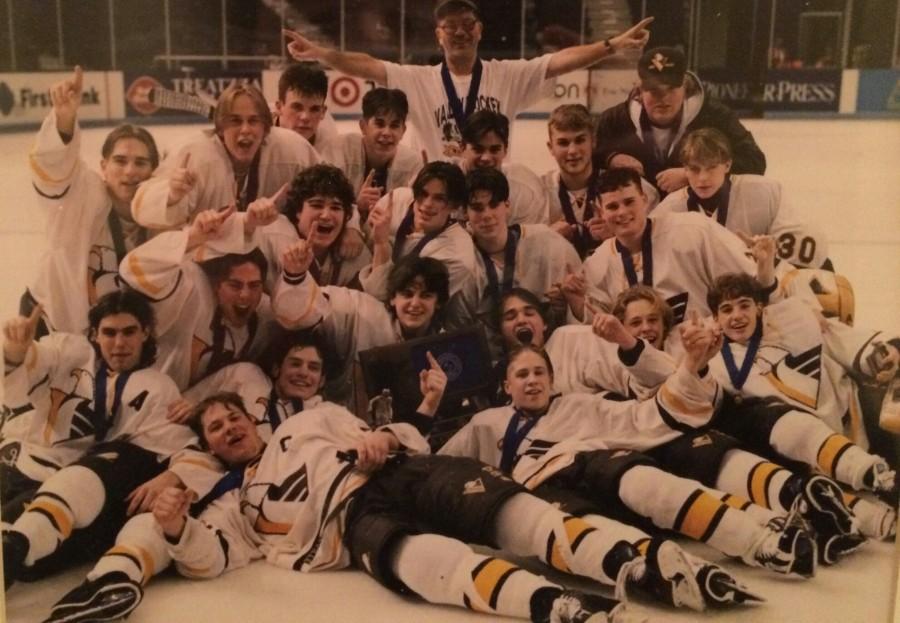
293, 35
435, 365
641, 24
369, 178
278, 195
35, 316
78, 80
185, 160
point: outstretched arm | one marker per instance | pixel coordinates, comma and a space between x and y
356, 64
580, 56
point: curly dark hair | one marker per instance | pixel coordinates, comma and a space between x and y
320, 179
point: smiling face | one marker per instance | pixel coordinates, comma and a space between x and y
486, 153
239, 293
644, 320
128, 165
662, 102
243, 130
301, 113
738, 318
458, 34
706, 179
572, 151
121, 340
230, 434
528, 381
320, 221
414, 307
431, 208
381, 135
521, 323
300, 374
625, 213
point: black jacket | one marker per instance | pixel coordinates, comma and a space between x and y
619, 132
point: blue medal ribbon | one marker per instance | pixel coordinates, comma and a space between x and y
583, 242
406, 228
457, 111
272, 409
495, 287
102, 419
739, 377
646, 256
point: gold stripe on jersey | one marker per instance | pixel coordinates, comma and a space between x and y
699, 516
831, 451
293, 323
669, 398
264, 526
489, 578
146, 286
856, 423
43, 175
758, 482
643, 545
59, 516
850, 499
790, 392
139, 556
546, 470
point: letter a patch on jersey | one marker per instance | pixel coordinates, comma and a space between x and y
473, 486
797, 376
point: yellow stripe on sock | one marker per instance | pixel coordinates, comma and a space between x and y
829, 452
60, 516
759, 480
699, 516
575, 529
486, 579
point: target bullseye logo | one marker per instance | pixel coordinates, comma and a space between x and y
344, 91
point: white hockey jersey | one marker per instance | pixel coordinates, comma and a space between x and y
757, 206
283, 154
689, 251
80, 263
401, 172
297, 497
585, 363
541, 257
175, 283
453, 247
53, 390
507, 87
805, 367
581, 422
350, 320
550, 181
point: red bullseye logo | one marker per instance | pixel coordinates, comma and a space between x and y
138, 95
344, 91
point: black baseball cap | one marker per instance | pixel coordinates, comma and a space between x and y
454, 7
663, 65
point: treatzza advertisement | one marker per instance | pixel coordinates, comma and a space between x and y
161, 94
25, 97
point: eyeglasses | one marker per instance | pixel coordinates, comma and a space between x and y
451, 27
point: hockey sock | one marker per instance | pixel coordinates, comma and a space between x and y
69, 499
140, 551
746, 474
804, 437
682, 505
876, 519
761, 514
529, 526
446, 571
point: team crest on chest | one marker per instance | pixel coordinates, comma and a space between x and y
795, 376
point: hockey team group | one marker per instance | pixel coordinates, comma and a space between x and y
673, 352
